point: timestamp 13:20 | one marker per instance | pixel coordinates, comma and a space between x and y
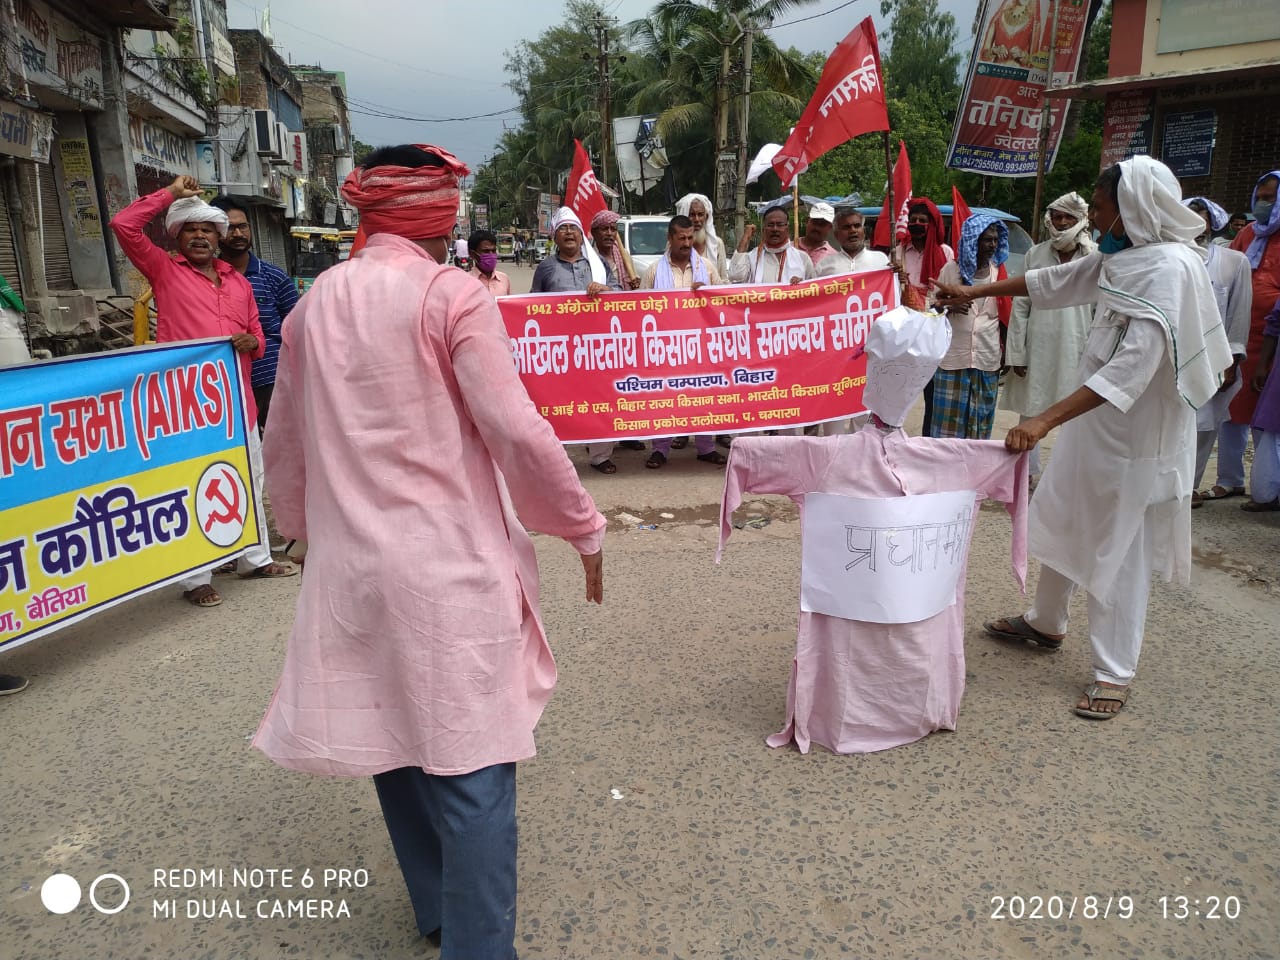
1205, 908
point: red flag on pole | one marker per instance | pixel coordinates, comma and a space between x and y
959, 214
582, 194
886, 237
848, 101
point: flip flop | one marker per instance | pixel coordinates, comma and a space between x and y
270, 571
714, 457
607, 466
1095, 691
656, 460
1022, 632
1219, 492
202, 596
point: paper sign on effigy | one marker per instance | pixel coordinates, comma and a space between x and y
896, 560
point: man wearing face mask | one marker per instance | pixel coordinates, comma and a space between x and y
1237, 223
483, 245
1044, 344
408, 455
1113, 505
1260, 242
776, 259
1232, 288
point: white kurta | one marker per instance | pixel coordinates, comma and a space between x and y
1047, 341
763, 266
1232, 281
1124, 464
840, 262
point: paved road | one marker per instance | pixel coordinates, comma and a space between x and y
655, 822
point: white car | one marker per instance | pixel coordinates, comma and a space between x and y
645, 238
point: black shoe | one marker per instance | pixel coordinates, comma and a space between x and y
10, 683
724, 440
631, 444
679, 443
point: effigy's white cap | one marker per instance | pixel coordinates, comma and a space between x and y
904, 348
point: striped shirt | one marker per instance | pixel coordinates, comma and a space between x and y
276, 295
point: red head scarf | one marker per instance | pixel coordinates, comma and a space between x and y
412, 202
934, 257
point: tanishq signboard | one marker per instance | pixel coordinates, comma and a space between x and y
119, 472
717, 360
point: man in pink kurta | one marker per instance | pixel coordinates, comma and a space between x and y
857, 686
407, 454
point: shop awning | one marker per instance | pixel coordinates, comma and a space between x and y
153, 14
1098, 89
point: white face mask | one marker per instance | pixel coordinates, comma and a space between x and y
1068, 239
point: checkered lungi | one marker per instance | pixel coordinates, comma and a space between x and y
964, 403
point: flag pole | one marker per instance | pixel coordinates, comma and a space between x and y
893, 213
795, 207
1044, 126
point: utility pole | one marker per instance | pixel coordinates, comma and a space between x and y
601, 25
723, 171
744, 118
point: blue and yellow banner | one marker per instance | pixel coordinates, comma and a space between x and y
119, 472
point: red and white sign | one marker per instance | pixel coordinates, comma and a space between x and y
717, 360
583, 195
848, 102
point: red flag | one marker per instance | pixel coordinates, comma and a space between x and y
885, 237
583, 195
848, 101
959, 214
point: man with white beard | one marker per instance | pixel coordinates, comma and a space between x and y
697, 208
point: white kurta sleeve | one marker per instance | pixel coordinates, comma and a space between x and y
1125, 377
1069, 284
740, 268
1239, 305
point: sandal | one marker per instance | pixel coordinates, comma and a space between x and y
656, 460
606, 466
1219, 492
724, 440
1197, 500
1020, 631
715, 456
228, 567
1096, 691
679, 443
1253, 506
269, 571
202, 596
631, 444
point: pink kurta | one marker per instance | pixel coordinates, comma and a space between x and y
403, 448
858, 687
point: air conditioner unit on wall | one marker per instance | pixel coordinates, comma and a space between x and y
282, 142
266, 134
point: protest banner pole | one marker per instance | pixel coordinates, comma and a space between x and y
1044, 125
795, 207
888, 178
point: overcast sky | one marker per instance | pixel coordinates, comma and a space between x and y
435, 59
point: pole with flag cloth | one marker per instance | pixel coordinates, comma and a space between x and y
891, 227
848, 102
959, 214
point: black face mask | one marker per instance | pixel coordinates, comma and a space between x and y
917, 229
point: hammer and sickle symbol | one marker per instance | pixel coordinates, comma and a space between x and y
231, 508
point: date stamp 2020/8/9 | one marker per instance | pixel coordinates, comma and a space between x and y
1122, 906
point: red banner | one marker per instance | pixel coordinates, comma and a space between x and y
848, 102
582, 193
719, 360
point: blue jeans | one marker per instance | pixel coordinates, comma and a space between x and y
455, 839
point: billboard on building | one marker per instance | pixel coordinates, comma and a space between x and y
997, 130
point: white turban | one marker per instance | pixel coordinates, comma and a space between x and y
194, 210
1151, 204
1078, 235
566, 215
682, 208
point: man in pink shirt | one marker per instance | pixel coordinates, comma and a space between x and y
199, 296
406, 452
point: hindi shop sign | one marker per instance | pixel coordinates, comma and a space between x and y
719, 360
896, 560
119, 472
